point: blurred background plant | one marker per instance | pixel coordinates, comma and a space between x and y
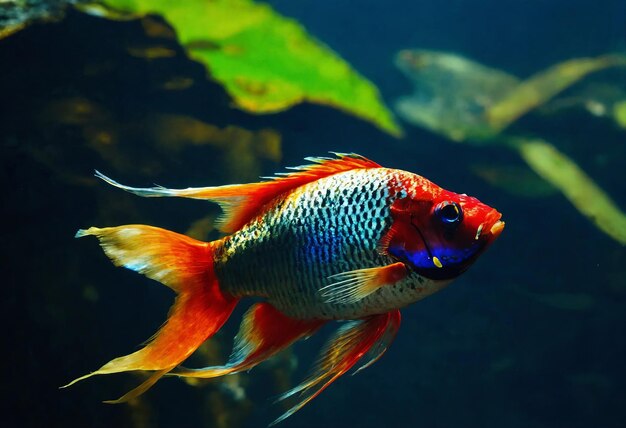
470, 102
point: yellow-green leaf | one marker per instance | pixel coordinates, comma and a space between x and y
619, 113
266, 62
468, 101
563, 173
539, 88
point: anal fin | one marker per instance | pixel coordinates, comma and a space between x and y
355, 340
264, 332
350, 287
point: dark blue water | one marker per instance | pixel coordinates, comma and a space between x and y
532, 335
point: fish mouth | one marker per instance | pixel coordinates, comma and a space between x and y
496, 229
490, 228
497, 226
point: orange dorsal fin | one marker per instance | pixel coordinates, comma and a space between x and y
242, 202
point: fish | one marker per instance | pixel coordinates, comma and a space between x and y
339, 239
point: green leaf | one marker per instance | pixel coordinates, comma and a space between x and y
541, 87
619, 113
468, 101
266, 62
580, 189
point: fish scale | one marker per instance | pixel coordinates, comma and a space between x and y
324, 228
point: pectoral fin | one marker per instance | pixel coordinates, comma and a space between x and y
350, 287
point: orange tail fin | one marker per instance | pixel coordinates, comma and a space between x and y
186, 266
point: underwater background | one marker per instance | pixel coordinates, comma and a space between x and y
533, 335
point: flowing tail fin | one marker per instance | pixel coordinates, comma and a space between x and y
186, 266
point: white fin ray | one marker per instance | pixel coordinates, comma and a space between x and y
350, 287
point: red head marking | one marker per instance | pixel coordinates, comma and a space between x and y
436, 232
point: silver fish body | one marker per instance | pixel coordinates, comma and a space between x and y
327, 227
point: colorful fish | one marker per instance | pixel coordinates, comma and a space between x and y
340, 239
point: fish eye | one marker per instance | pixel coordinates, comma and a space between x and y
449, 212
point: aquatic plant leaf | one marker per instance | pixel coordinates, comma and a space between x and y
541, 87
468, 101
562, 172
619, 113
598, 98
266, 62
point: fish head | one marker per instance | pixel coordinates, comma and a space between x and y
438, 233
